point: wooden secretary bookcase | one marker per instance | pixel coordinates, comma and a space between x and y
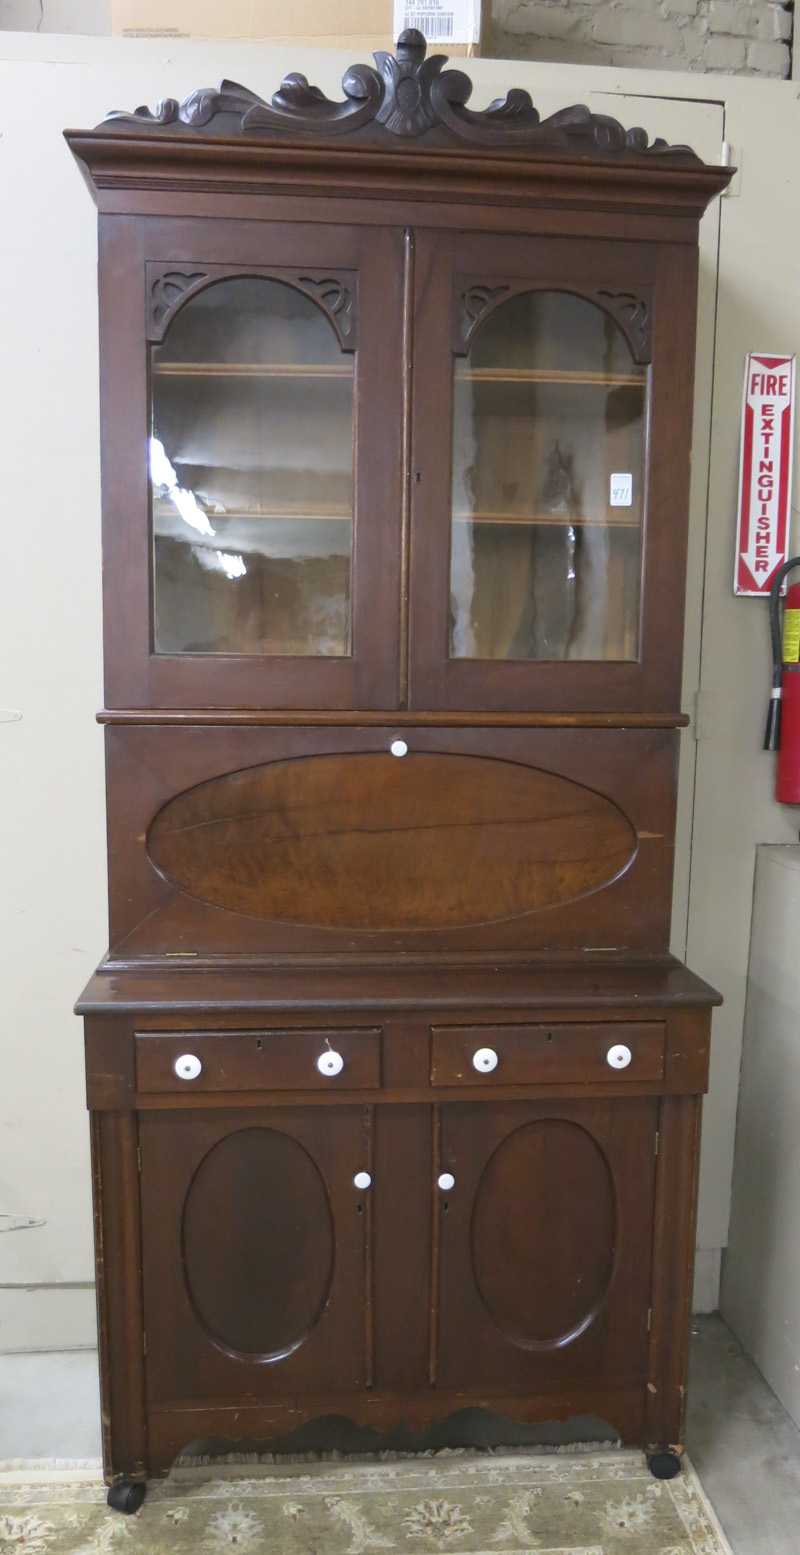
394, 1086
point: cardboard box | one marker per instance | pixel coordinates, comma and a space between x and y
452, 27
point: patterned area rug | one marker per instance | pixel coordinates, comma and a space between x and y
489, 1504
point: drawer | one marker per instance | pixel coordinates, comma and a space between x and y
259, 1060
547, 1054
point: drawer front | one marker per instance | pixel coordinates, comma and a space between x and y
547, 1054
182, 1061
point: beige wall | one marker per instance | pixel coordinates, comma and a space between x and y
51, 797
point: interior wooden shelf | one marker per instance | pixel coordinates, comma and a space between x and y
253, 370
345, 370
547, 375
344, 515
319, 511
537, 520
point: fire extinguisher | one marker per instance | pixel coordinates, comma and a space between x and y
783, 719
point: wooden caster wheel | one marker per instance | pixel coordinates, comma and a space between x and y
664, 1465
126, 1496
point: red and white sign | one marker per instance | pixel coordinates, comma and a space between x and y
765, 472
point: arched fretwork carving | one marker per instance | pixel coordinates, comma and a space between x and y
167, 292
169, 288
631, 311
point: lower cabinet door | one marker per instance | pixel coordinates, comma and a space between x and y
255, 1247
544, 1231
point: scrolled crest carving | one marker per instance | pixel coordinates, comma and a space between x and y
402, 96
195, 111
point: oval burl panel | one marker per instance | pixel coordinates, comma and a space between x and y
258, 1243
371, 841
543, 1233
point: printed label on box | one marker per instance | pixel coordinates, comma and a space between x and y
440, 21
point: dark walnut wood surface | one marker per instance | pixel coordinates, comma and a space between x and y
367, 841
394, 1087
253, 842
545, 983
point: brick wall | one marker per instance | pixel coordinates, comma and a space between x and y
738, 37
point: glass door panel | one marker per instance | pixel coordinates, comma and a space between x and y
253, 424
551, 411
547, 485
251, 468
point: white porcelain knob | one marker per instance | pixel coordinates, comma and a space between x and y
446, 1181
485, 1059
330, 1063
399, 748
187, 1067
362, 1180
619, 1056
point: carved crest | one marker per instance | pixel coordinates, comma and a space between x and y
402, 96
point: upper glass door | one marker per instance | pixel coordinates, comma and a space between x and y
546, 502
272, 523
251, 467
539, 580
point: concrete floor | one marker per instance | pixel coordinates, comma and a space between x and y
742, 1442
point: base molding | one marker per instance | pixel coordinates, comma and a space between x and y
384, 1421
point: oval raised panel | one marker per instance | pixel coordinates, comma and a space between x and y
543, 1234
258, 1243
363, 841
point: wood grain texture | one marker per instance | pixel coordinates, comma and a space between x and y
673, 1269
265, 1060
266, 1289
401, 1209
369, 841
555, 989
550, 1173
257, 1209
118, 171
185, 1358
380, 892
542, 1276
118, 1253
553, 1054
261, 717
245, 1424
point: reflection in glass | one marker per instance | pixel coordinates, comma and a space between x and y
251, 469
545, 561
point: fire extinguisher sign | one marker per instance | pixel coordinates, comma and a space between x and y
765, 471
